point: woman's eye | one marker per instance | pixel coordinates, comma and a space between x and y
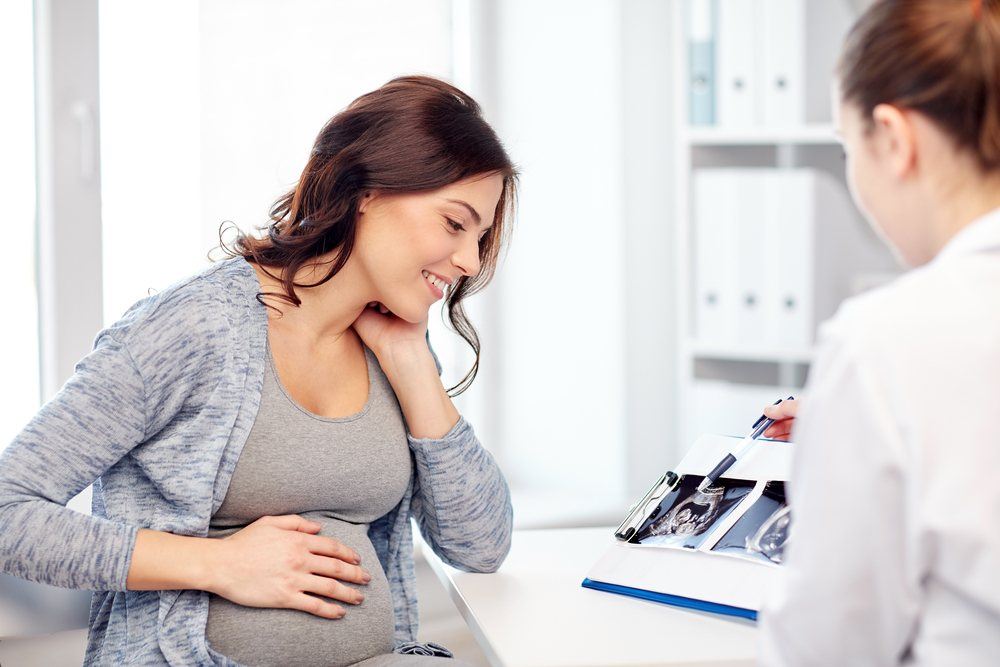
455, 225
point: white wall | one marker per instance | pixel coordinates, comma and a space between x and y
561, 291
650, 274
209, 111
150, 167
274, 72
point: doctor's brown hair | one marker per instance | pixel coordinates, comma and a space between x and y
413, 134
939, 57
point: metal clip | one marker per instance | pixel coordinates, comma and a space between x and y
640, 511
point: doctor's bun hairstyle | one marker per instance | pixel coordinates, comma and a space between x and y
413, 134
939, 57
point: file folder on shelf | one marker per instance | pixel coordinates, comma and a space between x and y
800, 40
774, 60
796, 204
751, 291
701, 62
775, 252
716, 255
782, 58
717, 551
736, 82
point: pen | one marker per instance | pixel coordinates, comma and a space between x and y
739, 450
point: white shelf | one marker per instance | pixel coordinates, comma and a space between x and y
699, 350
812, 145
759, 136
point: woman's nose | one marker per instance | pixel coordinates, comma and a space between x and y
467, 257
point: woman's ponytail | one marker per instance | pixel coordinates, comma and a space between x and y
939, 57
988, 43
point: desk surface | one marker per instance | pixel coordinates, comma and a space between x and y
535, 612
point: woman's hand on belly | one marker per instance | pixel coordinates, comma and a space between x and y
277, 561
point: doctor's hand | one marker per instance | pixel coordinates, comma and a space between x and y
280, 562
783, 415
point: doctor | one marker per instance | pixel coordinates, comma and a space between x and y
895, 555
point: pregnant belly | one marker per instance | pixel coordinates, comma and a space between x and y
259, 636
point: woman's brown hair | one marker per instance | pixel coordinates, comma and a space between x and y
939, 57
413, 134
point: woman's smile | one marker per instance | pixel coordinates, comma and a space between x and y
435, 283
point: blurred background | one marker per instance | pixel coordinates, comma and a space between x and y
683, 227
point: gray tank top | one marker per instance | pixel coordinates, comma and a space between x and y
341, 472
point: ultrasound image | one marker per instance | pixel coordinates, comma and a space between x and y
762, 532
685, 516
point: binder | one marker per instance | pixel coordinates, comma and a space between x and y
767, 71
782, 54
818, 243
776, 252
755, 250
790, 213
709, 571
701, 62
736, 59
716, 219
795, 74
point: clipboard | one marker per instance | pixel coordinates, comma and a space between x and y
718, 552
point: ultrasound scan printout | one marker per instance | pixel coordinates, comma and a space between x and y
686, 516
762, 532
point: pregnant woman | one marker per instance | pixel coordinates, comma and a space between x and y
259, 435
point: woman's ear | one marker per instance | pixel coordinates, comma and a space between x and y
894, 139
366, 197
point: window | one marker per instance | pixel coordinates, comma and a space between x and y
19, 391
208, 112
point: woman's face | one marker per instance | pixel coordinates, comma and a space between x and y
407, 242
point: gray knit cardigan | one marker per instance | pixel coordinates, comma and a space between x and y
155, 417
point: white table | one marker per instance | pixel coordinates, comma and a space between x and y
535, 612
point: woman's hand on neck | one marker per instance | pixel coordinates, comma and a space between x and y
387, 335
330, 310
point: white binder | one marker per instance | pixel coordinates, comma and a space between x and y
754, 256
715, 254
821, 244
775, 60
736, 63
791, 213
790, 240
782, 52
795, 72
